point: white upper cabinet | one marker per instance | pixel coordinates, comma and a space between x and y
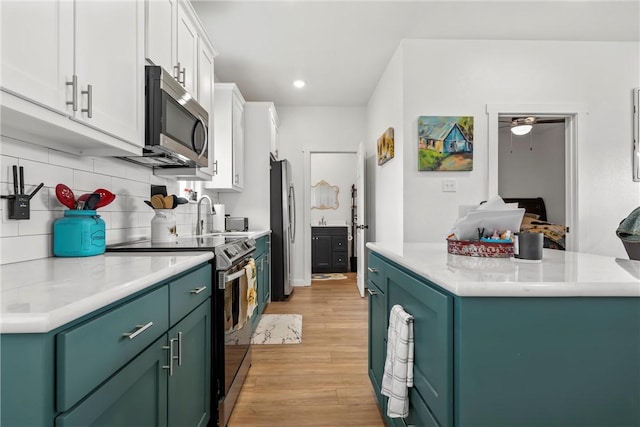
206, 95
82, 61
187, 67
37, 51
109, 66
229, 138
160, 34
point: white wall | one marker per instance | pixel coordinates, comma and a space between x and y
385, 184
127, 218
536, 172
307, 129
460, 77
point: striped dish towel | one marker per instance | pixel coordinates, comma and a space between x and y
398, 367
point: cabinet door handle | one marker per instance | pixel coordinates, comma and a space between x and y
170, 357
184, 80
179, 357
215, 167
89, 93
372, 270
372, 293
176, 69
140, 329
74, 95
196, 291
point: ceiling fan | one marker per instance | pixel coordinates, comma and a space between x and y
523, 125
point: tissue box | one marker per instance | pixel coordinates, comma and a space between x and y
479, 249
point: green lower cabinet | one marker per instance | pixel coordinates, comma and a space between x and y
378, 316
190, 379
136, 396
263, 277
124, 365
506, 362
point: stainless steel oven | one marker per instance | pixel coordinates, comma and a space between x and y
231, 330
230, 271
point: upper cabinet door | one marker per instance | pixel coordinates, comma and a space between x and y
187, 51
205, 95
110, 67
238, 143
160, 36
37, 51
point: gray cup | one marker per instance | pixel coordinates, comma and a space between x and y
528, 246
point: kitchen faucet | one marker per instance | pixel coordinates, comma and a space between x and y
200, 222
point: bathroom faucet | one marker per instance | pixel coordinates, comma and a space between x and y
200, 222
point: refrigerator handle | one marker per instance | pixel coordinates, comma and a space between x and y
292, 207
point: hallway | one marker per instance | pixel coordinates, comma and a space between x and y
321, 382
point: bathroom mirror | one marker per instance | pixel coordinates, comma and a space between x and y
324, 195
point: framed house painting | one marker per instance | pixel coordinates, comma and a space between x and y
445, 143
385, 147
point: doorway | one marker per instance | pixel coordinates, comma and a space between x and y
532, 165
574, 124
329, 179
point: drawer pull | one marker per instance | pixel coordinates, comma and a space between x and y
196, 291
170, 357
372, 293
141, 329
179, 349
372, 270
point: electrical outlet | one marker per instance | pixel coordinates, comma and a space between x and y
449, 185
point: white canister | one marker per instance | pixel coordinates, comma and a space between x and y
163, 226
218, 218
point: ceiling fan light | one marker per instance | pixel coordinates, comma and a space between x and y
521, 129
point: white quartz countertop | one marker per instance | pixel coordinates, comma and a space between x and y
560, 274
41, 295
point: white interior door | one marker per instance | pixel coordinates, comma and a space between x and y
361, 221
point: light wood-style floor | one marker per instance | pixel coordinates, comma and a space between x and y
321, 382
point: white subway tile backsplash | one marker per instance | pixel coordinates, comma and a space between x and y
8, 227
40, 200
87, 182
24, 150
24, 248
137, 173
40, 222
125, 187
6, 170
127, 218
51, 175
70, 161
108, 166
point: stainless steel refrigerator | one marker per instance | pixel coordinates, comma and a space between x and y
283, 228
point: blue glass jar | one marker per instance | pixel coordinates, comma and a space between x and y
79, 233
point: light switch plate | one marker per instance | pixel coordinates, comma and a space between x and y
449, 185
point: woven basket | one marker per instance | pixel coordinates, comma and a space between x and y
479, 249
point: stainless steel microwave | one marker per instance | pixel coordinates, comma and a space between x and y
176, 125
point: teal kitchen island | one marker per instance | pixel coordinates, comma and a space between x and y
506, 343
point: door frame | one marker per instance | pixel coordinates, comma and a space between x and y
575, 116
306, 214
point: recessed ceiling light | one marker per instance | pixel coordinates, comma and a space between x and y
299, 84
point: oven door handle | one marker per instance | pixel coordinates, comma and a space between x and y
226, 278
